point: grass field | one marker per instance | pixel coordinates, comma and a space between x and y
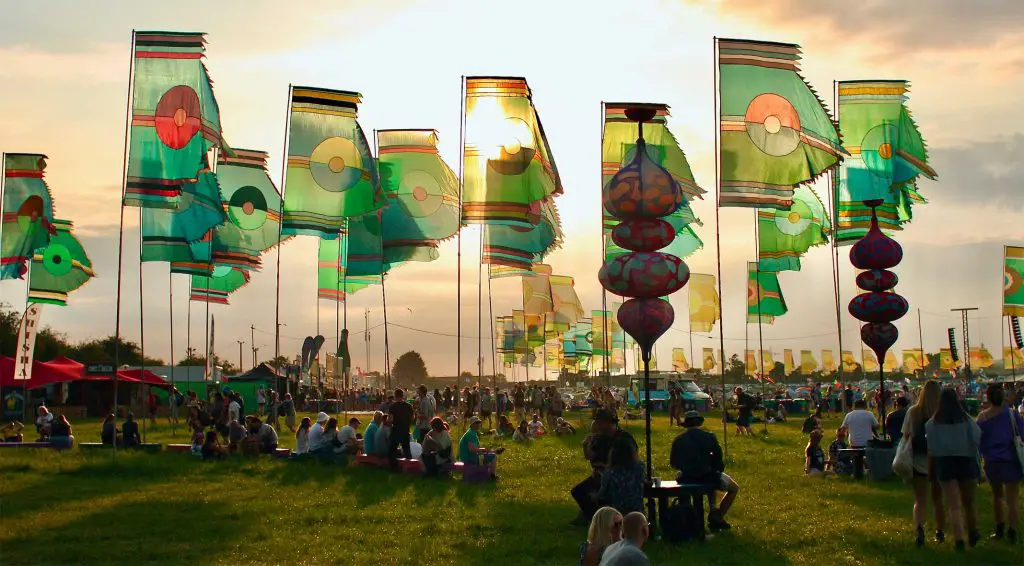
93, 508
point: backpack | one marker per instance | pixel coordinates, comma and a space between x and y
681, 523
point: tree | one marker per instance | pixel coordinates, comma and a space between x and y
778, 372
737, 369
409, 369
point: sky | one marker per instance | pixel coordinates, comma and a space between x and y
64, 65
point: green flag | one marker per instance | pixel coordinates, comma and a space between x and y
1013, 281
331, 174
178, 234
59, 268
253, 208
775, 132
216, 287
27, 213
519, 247
785, 235
764, 296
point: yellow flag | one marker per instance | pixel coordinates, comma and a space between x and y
849, 362
891, 364
980, 357
1013, 358
946, 359
913, 360
828, 361
807, 362
704, 307
679, 362
767, 361
709, 359
870, 361
787, 361
750, 362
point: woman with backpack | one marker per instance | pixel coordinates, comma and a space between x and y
1001, 427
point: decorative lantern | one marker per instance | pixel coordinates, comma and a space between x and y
640, 195
878, 306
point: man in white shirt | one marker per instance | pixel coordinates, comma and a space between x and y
317, 440
861, 423
347, 437
233, 410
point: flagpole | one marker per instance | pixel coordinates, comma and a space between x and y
718, 236
120, 230
458, 237
337, 316
834, 198
604, 251
142, 330
920, 343
494, 345
170, 304
24, 322
480, 312
280, 232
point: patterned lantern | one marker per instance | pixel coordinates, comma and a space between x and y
878, 306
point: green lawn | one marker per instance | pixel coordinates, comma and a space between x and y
93, 508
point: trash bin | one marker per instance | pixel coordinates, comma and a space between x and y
879, 462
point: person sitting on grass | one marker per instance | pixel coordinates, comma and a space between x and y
60, 432
43, 422
861, 424
349, 443
622, 482
697, 455
12, 432
472, 454
198, 439
605, 528
370, 434
383, 441
236, 434
130, 432
505, 427
437, 448
108, 431
536, 427
834, 464
563, 428
302, 436
317, 438
212, 448
522, 433
629, 550
265, 435
814, 456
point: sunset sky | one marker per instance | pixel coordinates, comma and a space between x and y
64, 66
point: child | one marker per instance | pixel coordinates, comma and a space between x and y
522, 433
563, 428
505, 427
198, 438
833, 453
814, 456
536, 426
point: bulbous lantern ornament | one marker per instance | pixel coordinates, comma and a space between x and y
640, 195
878, 307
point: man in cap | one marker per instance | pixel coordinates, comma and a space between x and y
698, 457
472, 454
317, 439
596, 449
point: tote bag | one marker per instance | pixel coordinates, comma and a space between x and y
903, 463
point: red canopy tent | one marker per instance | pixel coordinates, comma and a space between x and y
65, 369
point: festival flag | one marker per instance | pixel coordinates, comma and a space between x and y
828, 362
504, 271
1013, 281
787, 361
869, 359
767, 361
181, 235
980, 357
764, 296
253, 207
749, 362
566, 307
508, 166
887, 155
537, 291
709, 359
890, 364
331, 174
913, 360
175, 118
584, 339
216, 287
534, 330
619, 149
946, 359
59, 268
807, 362
679, 362
333, 283
849, 362
785, 235
422, 193
27, 213
519, 332
569, 346
520, 247
601, 332
1013, 357
704, 304
364, 253
24, 351
775, 131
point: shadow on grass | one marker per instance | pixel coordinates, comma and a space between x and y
113, 535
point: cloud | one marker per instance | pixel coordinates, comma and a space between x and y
938, 25
987, 171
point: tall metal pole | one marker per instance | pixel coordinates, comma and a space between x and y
920, 343
240, 344
280, 232
834, 204
458, 236
718, 241
252, 338
967, 345
170, 302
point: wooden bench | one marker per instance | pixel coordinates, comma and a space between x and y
27, 445
370, 460
180, 448
657, 497
407, 465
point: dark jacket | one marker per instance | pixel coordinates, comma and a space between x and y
697, 455
130, 433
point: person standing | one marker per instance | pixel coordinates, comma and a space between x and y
1001, 426
894, 420
953, 442
922, 480
745, 405
425, 409
487, 407
401, 420
289, 412
261, 399
629, 550
152, 403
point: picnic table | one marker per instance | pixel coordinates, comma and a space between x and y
657, 496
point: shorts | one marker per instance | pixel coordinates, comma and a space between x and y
953, 468
1003, 472
743, 420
